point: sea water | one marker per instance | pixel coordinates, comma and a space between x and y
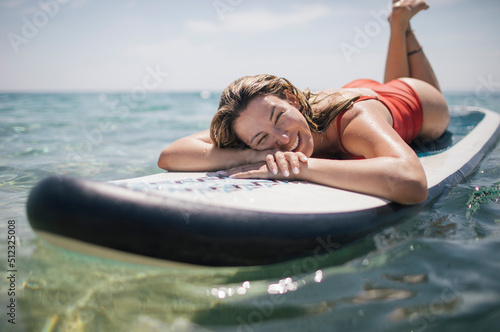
436, 271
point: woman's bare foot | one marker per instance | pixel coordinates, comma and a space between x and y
404, 10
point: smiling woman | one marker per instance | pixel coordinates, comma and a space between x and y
261, 112
354, 138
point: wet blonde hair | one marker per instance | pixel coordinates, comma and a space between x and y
237, 95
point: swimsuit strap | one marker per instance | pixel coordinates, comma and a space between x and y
339, 118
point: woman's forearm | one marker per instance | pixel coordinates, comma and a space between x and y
197, 154
391, 178
207, 158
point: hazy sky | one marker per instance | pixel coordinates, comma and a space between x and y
90, 45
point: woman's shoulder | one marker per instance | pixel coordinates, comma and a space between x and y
343, 93
368, 109
325, 92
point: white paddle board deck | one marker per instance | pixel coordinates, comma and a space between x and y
203, 218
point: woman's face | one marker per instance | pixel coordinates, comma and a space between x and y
269, 122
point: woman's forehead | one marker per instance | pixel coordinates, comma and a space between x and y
266, 101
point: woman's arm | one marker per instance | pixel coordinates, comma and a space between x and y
196, 153
395, 179
391, 169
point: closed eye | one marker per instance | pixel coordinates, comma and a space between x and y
261, 139
276, 119
278, 116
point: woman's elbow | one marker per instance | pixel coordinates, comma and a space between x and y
164, 161
412, 192
416, 195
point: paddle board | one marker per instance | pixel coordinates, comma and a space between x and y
208, 219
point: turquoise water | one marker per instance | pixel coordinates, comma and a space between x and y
436, 271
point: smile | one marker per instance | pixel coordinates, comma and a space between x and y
295, 145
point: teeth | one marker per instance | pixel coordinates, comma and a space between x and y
294, 146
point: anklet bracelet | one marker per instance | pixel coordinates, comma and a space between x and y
418, 49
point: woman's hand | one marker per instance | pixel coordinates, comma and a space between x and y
285, 162
277, 165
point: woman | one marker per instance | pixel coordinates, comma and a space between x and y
266, 128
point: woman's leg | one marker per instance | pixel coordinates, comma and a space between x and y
420, 68
405, 57
396, 64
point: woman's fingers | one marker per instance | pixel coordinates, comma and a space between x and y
288, 162
277, 165
302, 157
282, 163
293, 159
254, 174
271, 163
256, 171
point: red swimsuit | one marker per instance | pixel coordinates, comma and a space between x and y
400, 99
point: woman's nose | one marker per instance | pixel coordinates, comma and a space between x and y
282, 138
